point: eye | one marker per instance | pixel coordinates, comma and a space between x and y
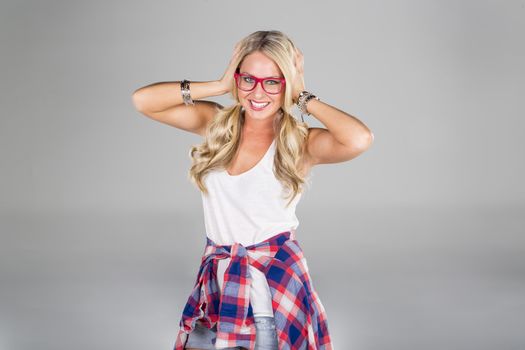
247, 78
272, 82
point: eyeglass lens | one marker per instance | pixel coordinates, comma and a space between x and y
271, 86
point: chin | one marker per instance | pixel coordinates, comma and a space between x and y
261, 115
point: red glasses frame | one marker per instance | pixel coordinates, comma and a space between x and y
259, 80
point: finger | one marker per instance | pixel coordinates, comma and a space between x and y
300, 64
298, 59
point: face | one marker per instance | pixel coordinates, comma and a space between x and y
259, 65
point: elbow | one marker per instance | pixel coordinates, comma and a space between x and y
365, 141
138, 100
369, 139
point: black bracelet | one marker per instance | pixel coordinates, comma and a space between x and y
302, 100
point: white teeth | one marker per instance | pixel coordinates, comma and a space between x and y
259, 105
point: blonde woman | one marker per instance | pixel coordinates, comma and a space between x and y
253, 289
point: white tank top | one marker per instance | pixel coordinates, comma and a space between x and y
248, 208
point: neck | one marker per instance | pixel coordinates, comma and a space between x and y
259, 126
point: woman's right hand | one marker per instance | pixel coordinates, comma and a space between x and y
228, 77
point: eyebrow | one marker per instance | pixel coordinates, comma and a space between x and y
273, 76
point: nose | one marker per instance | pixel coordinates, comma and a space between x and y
258, 89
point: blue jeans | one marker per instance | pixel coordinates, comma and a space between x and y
265, 338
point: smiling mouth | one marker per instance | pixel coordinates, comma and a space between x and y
256, 105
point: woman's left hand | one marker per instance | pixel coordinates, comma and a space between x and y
298, 83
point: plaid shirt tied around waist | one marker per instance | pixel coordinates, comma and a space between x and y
300, 318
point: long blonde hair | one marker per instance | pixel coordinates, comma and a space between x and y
224, 131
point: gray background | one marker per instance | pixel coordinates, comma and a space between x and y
416, 244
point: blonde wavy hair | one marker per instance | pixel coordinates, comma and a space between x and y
224, 131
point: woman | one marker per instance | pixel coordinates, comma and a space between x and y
253, 289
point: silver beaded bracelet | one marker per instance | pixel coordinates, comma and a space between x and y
185, 90
303, 99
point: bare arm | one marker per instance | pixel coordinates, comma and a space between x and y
163, 102
345, 138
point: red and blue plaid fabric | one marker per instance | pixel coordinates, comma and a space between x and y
300, 318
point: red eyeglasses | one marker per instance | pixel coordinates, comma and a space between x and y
247, 82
